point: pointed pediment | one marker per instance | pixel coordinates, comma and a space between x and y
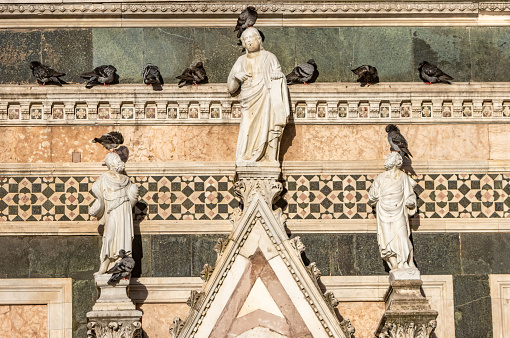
260, 285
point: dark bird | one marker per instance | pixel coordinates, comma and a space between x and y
397, 141
303, 73
100, 75
246, 19
123, 268
45, 74
429, 73
193, 75
110, 141
367, 75
151, 75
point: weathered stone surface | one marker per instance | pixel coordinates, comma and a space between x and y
318, 250
121, 48
68, 51
14, 253
64, 256
18, 49
202, 252
281, 41
368, 260
342, 255
446, 47
171, 256
437, 254
483, 253
490, 50
473, 314
171, 49
84, 297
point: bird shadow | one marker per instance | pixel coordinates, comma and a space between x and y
157, 87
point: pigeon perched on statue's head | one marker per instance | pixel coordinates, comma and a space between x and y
193, 75
44, 74
430, 73
151, 75
367, 75
110, 141
246, 19
397, 141
123, 268
105, 74
303, 73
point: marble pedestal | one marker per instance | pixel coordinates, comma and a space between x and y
114, 315
408, 313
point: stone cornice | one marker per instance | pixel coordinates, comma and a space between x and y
318, 103
128, 13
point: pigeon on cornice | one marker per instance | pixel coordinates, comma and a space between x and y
303, 73
193, 75
105, 74
430, 73
45, 74
151, 75
367, 75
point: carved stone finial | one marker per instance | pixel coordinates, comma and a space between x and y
193, 299
297, 245
313, 271
206, 273
176, 327
347, 327
331, 300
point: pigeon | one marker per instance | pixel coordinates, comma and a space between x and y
45, 74
151, 75
103, 74
367, 75
110, 141
303, 73
429, 73
123, 268
193, 75
246, 19
397, 141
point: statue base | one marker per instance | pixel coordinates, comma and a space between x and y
405, 274
408, 313
268, 170
114, 314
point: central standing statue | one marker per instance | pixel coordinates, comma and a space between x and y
264, 101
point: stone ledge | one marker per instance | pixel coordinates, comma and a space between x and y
318, 103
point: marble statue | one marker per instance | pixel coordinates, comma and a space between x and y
394, 199
264, 101
116, 196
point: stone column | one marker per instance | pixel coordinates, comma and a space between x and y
114, 315
408, 313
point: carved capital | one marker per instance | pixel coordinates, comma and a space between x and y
409, 329
114, 329
247, 188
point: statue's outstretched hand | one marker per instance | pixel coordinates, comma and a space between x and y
242, 76
277, 75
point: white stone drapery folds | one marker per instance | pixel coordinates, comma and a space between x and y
264, 106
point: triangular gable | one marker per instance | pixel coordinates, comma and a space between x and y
259, 248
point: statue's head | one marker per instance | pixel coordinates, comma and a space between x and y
393, 160
114, 163
251, 40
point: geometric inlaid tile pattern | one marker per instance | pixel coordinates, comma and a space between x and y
212, 198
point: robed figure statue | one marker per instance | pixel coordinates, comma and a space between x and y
116, 196
264, 101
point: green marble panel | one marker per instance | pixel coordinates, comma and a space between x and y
472, 304
14, 253
217, 48
322, 45
17, 49
436, 253
84, 297
482, 253
121, 48
68, 51
342, 255
171, 49
282, 43
64, 256
389, 49
446, 47
490, 50
367, 259
171, 256
202, 252
318, 250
